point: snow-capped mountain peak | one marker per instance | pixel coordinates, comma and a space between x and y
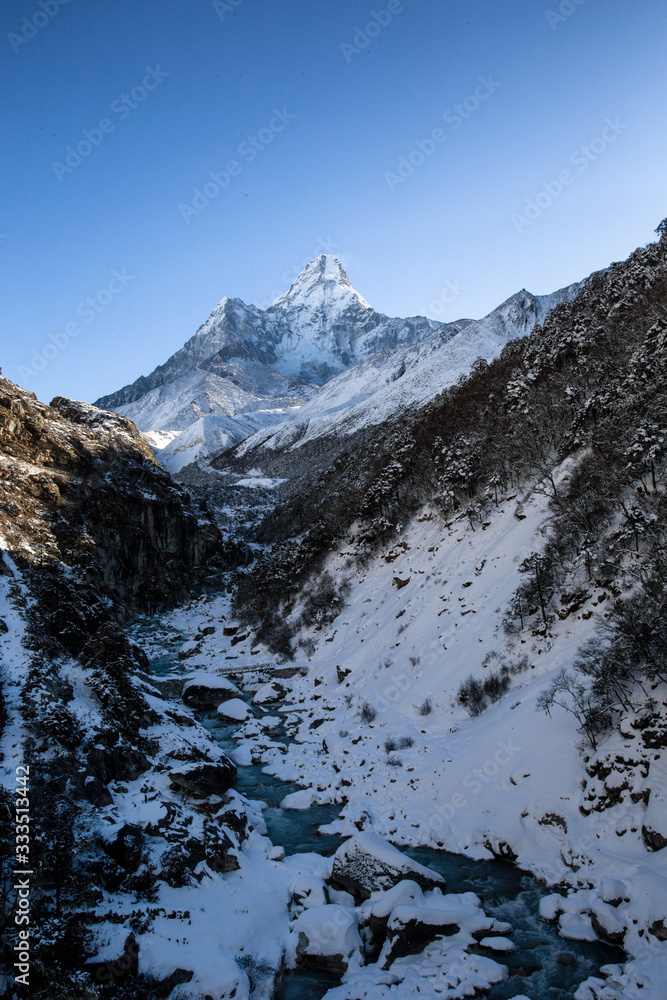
322, 283
247, 369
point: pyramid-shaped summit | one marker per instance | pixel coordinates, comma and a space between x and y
245, 360
324, 280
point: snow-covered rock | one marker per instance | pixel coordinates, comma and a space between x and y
375, 913
607, 922
498, 944
204, 690
366, 863
267, 693
412, 926
382, 904
613, 891
223, 982
303, 799
327, 937
308, 891
235, 709
551, 907
576, 927
188, 649
203, 780
654, 828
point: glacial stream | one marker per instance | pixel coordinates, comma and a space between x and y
506, 892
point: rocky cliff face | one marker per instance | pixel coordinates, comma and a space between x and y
93, 530
79, 488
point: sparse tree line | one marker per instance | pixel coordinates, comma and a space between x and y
616, 670
588, 386
476, 693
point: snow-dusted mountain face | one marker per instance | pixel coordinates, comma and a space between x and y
320, 361
333, 327
247, 368
407, 378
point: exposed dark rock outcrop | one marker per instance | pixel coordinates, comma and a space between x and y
94, 531
203, 693
203, 780
410, 935
79, 486
654, 840
126, 847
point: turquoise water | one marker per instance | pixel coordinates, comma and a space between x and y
506, 892
303, 984
297, 830
510, 894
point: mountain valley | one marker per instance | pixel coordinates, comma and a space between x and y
335, 648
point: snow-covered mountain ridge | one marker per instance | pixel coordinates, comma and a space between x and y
389, 383
246, 360
247, 371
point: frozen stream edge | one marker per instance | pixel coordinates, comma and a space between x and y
496, 882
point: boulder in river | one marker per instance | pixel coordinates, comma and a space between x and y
327, 938
203, 690
366, 863
188, 649
608, 923
235, 709
270, 692
411, 928
308, 891
376, 912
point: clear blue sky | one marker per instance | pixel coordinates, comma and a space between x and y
317, 180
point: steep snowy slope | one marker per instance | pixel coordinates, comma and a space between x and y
208, 409
388, 383
198, 393
380, 731
481, 603
212, 434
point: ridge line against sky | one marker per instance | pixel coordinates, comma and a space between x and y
162, 158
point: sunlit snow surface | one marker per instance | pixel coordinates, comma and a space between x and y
388, 383
464, 785
319, 361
